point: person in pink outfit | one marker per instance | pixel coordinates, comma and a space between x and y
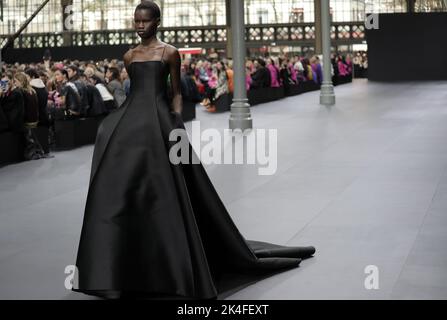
274, 73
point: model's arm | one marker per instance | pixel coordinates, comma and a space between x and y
174, 69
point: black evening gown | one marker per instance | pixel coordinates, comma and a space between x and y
153, 227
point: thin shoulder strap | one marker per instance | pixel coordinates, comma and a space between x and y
163, 54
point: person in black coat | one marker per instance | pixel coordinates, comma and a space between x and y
190, 92
284, 73
96, 104
42, 96
74, 75
261, 77
13, 104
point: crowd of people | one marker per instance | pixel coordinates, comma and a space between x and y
37, 94
215, 78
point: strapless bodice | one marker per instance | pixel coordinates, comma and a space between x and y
148, 77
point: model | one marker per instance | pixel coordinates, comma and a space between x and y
151, 227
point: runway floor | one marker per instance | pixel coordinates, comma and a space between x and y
364, 181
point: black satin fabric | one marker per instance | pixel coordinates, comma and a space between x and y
154, 227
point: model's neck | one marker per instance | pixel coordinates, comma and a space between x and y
149, 42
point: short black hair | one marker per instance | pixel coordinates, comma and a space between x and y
73, 67
32, 73
63, 72
115, 73
151, 6
261, 61
96, 79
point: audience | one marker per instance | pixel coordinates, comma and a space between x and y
115, 86
37, 94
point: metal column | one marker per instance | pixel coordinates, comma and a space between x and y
327, 95
240, 117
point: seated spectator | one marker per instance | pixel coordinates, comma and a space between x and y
261, 78
230, 76
74, 74
42, 95
106, 96
31, 102
69, 97
126, 81
316, 70
334, 63
300, 72
12, 103
342, 67
248, 79
211, 89
292, 71
96, 104
284, 72
190, 92
348, 62
33, 149
308, 72
275, 80
115, 86
221, 86
4, 125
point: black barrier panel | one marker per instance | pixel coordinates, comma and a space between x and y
64, 134
188, 111
12, 145
264, 95
408, 47
42, 134
223, 103
74, 133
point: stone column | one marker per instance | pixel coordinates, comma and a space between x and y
240, 117
327, 95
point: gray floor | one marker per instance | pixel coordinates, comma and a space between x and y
364, 181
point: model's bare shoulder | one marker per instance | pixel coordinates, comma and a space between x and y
172, 53
127, 58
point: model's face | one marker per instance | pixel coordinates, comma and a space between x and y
145, 25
